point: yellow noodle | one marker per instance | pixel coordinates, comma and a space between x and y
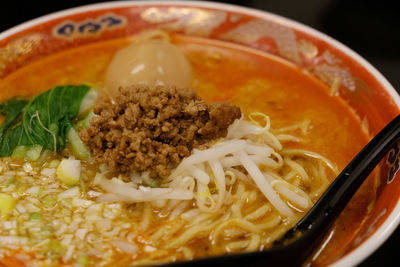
232, 233
295, 189
252, 197
236, 212
258, 213
147, 216
254, 243
307, 153
166, 231
298, 168
236, 245
263, 116
303, 126
194, 231
288, 137
187, 253
246, 225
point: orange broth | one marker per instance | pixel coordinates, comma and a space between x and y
249, 79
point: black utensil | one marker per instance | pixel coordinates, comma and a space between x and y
298, 243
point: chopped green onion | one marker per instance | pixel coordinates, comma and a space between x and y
7, 203
88, 101
88, 117
69, 171
103, 167
85, 122
55, 250
47, 231
49, 201
152, 183
46, 154
83, 260
34, 216
78, 147
147, 181
80, 124
12, 180
31, 153
39, 192
54, 163
70, 193
34, 152
19, 152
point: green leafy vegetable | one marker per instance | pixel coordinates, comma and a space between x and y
45, 120
12, 109
48, 117
10, 130
13, 138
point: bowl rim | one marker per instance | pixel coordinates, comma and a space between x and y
374, 241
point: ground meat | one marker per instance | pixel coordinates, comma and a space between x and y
153, 128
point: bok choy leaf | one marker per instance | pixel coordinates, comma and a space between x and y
45, 120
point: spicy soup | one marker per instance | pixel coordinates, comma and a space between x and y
253, 81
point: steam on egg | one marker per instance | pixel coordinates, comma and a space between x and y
151, 62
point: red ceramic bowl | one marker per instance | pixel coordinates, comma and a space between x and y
363, 87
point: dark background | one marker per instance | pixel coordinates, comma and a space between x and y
369, 27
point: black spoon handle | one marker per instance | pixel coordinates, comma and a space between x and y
338, 194
321, 216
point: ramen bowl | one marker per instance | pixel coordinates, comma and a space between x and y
350, 79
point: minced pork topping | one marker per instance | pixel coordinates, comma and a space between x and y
153, 128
